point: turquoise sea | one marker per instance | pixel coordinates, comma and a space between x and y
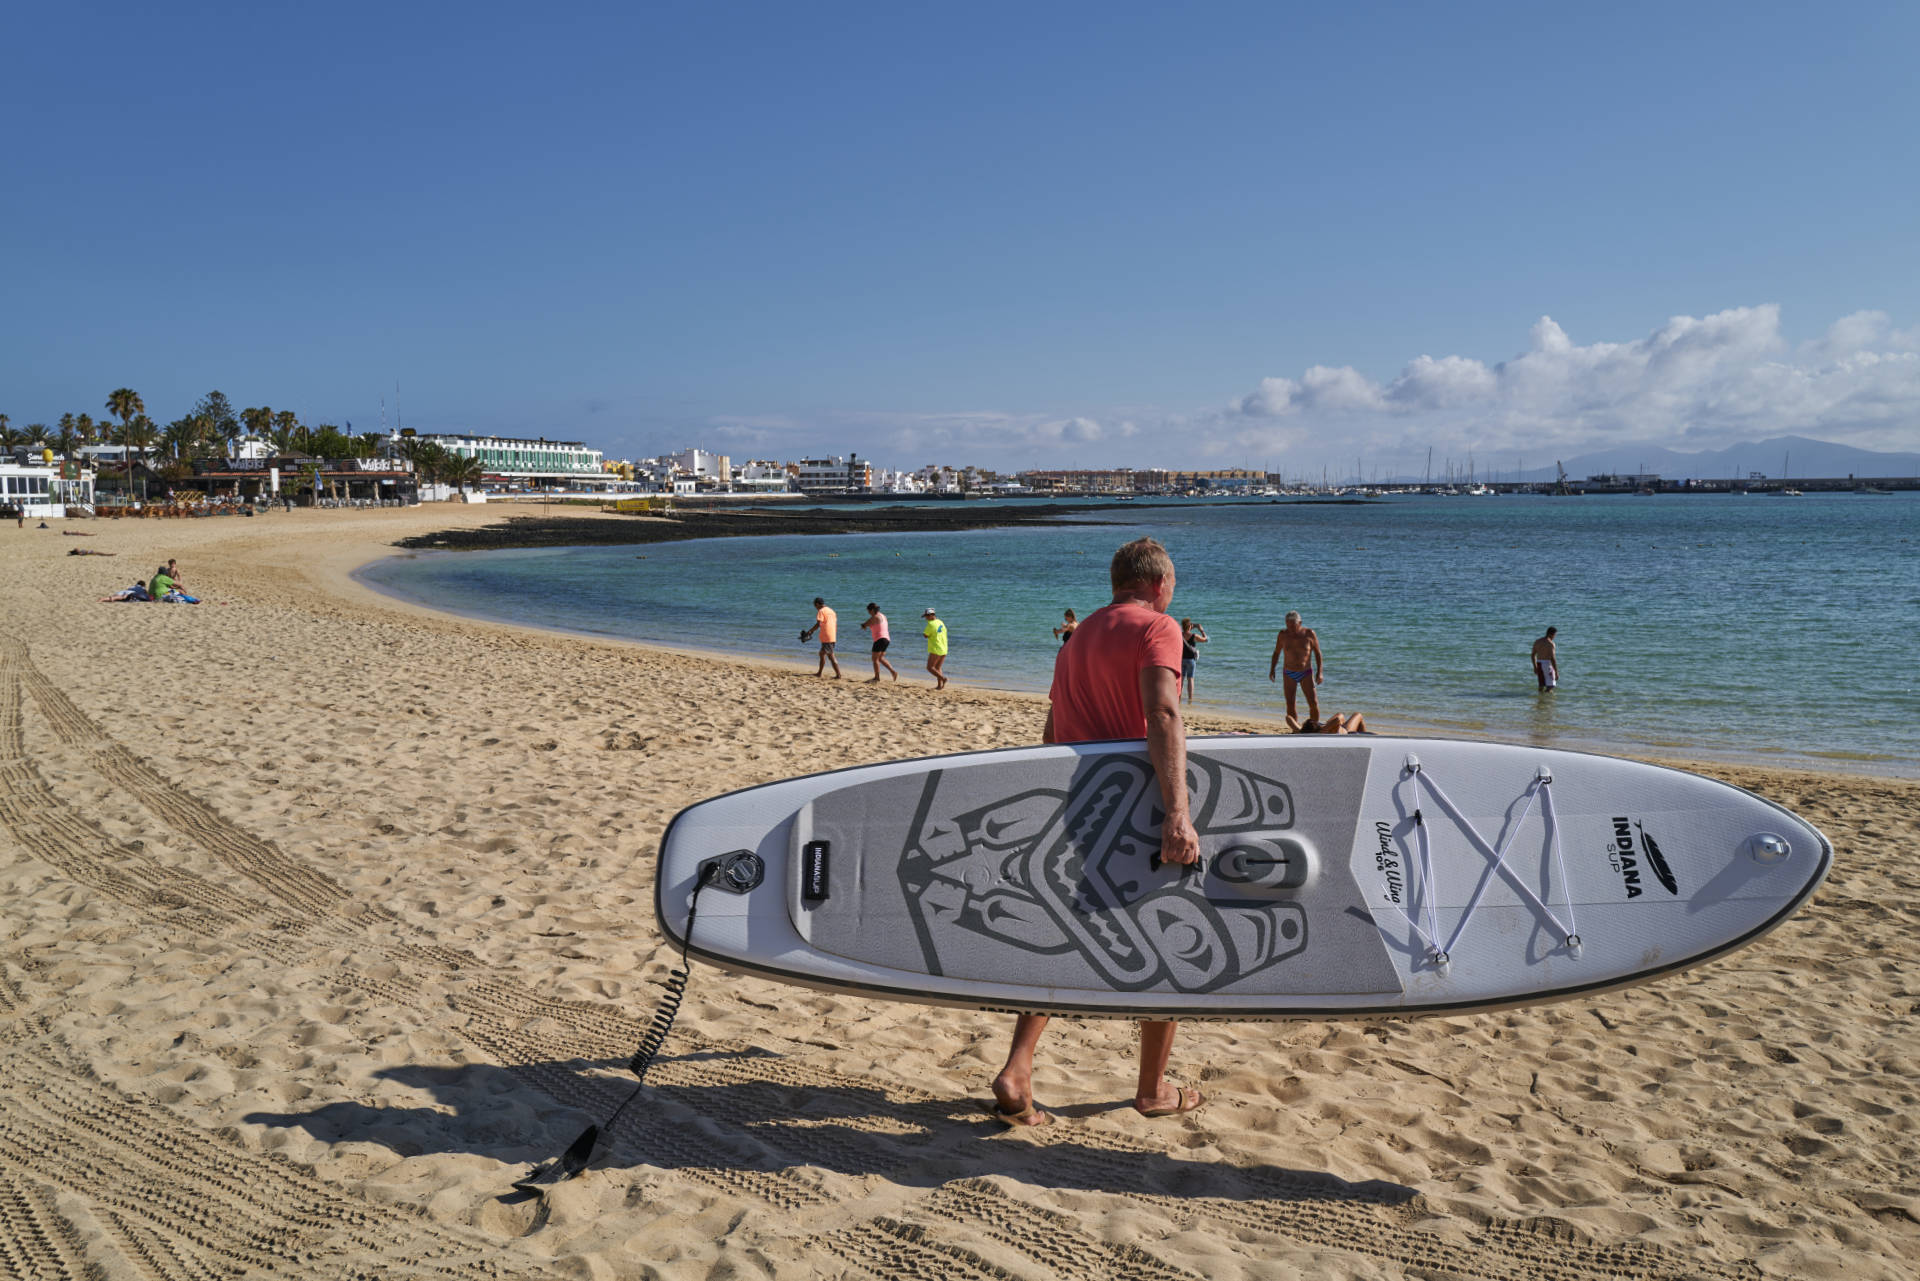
1733, 627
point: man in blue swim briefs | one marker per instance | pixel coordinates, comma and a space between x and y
1306, 667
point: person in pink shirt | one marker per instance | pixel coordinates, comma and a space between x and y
827, 623
876, 627
1121, 679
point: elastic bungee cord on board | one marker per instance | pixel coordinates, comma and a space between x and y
580, 1152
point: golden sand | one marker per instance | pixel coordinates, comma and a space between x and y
325, 916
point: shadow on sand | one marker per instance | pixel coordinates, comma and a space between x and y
748, 1120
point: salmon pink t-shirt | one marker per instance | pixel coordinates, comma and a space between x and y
829, 624
1096, 680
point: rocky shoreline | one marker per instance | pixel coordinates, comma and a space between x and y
601, 529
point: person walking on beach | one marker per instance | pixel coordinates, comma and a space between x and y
1546, 662
875, 625
936, 633
1299, 646
1192, 637
1065, 631
827, 623
1121, 681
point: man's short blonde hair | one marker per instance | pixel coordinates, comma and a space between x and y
1140, 561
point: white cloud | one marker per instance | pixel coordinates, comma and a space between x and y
1689, 383
1697, 382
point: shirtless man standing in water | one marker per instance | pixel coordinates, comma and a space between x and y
1546, 661
1306, 666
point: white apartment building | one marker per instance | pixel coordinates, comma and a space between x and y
835, 475
517, 459
699, 462
38, 489
760, 475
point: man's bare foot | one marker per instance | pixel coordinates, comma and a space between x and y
1172, 1100
1013, 1103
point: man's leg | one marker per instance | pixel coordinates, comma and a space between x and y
836, 664
1156, 1047
1313, 703
821, 666
1291, 685
1013, 1088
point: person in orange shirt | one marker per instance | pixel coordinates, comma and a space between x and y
827, 623
1120, 678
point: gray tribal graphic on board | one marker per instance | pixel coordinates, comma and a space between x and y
1055, 873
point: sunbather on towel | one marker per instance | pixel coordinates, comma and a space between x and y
136, 592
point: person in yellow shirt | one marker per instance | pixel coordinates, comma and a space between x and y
827, 623
936, 633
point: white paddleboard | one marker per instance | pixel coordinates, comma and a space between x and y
1340, 876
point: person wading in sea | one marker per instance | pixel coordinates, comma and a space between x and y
1299, 646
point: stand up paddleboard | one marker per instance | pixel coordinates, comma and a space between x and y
1339, 877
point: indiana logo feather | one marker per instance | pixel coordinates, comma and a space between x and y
1657, 861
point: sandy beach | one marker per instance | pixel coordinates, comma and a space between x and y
326, 915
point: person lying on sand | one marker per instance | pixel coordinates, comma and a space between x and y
88, 551
1338, 723
136, 592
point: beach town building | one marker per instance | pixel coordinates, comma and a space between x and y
1119, 480
699, 464
36, 485
519, 460
760, 476
834, 475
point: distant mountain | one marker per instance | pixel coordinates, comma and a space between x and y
1780, 456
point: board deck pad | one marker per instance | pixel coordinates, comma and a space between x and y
1338, 876
1053, 883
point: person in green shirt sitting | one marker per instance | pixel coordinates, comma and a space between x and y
165, 587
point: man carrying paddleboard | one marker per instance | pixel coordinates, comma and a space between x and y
1121, 679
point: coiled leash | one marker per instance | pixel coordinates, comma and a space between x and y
580, 1152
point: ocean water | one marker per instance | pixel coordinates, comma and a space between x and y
1731, 627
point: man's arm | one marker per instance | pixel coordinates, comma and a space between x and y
1046, 734
1319, 659
1167, 749
1274, 662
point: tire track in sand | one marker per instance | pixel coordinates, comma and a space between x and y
182, 1204
300, 887
499, 1010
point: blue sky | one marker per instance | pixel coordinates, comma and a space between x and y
1057, 235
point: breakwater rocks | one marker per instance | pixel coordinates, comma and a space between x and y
610, 530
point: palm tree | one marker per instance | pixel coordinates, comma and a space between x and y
183, 435
464, 471
84, 424
430, 460
37, 436
123, 404
67, 440
8, 436
137, 433
286, 427
259, 421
